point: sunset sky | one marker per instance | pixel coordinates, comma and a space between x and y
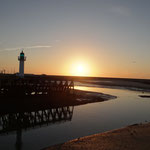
104, 38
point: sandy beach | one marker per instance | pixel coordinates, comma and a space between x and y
132, 137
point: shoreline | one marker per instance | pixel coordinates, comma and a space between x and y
135, 85
136, 136
29, 103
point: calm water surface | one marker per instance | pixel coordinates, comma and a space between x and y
87, 119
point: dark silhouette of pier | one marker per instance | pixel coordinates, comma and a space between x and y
34, 101
34, 85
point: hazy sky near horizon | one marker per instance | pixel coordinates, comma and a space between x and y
109, 38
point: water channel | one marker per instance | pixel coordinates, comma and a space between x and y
83, 120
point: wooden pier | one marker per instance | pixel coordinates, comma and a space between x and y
34, 85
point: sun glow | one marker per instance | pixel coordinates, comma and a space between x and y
80, 69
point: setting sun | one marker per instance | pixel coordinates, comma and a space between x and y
80, 69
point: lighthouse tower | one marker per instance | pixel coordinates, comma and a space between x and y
21, 59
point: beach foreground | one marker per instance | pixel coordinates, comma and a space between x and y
132, 137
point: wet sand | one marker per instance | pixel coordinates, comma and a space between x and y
134, 137
131, 84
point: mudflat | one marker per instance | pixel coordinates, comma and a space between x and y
134, 137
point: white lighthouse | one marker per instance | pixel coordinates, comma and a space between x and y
21, 59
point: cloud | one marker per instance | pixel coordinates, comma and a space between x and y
134, 62
28, 47
120, 10
57, 40
38, 46
2, 42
